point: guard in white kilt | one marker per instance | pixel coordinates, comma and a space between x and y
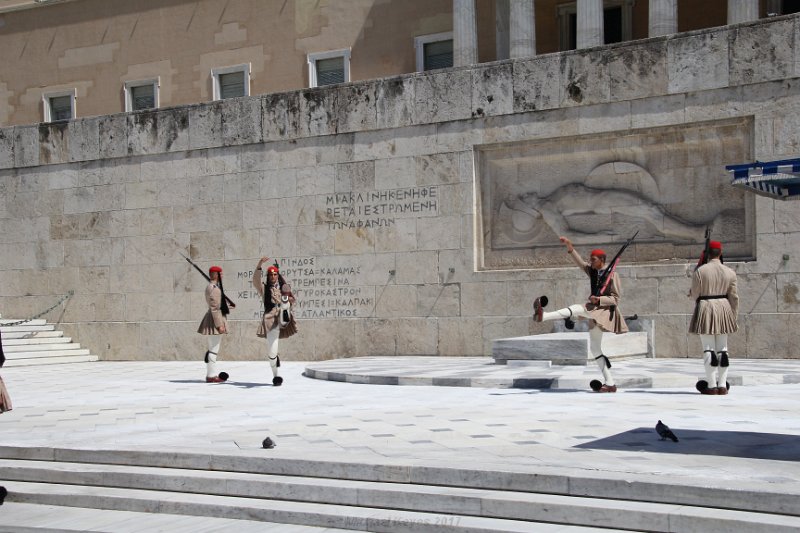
214, 324
714, 317
602, 312
277, 322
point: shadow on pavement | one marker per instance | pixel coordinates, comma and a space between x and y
745, 444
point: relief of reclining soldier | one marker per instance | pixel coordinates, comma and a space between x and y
576, 209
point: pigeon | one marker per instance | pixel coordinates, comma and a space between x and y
268, 443
664, 432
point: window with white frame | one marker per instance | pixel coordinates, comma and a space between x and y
141, 94
230, 82
617, 23
59, 105
434, 51
328, 68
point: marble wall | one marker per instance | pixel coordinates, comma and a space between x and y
374, 199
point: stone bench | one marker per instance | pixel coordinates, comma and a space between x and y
571, 347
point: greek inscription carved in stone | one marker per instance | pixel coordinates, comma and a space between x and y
372, 209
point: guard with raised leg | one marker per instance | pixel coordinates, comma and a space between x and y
601, 309
714, 317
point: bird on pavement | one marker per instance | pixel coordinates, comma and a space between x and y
664, 432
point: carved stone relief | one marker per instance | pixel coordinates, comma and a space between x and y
668, 183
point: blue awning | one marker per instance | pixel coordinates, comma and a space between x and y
773, 179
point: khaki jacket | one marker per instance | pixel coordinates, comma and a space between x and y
607, 314
213, 319
269, 320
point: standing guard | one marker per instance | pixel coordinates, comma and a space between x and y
214, 323
716, 304
601, 310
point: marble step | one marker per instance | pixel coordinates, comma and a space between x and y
41, 347
36, 322
46, 353
408, 497
28, 335
58, 360
49, 340
27, 517
760, 497
267, 510
26, 329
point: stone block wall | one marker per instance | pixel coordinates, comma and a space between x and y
368, 195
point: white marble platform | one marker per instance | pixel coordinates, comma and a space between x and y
568, 348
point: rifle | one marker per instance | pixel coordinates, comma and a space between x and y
230, 302
605, 279
706, 249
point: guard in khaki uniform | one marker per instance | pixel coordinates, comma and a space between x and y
277, 322
602, 312
714, 317
214, 324
5, 399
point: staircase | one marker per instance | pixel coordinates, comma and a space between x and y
370, 497
38, 343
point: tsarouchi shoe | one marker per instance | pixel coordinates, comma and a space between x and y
538, 308
608, 388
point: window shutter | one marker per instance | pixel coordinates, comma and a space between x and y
438, 54
330, 71
231, 85
143, 97
60, 108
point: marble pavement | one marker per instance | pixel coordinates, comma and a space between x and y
747, 438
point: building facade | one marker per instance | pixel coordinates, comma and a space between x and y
418, 213
64, 59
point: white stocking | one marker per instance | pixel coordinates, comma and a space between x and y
596, 349
273, 336
721, 342
214, 342
573, 311
709, 344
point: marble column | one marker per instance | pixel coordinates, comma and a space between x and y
465, 33
663, 18
589, 24
523, 28
742, 11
